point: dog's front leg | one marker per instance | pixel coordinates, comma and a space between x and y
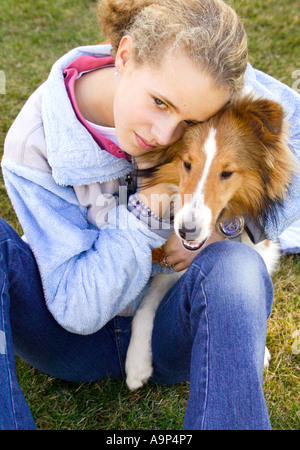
138, 365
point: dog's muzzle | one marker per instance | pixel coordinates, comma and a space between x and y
193, 245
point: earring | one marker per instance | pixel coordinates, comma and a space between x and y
117, 72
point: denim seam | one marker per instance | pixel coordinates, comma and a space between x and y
118, 338
207, 352
6, 356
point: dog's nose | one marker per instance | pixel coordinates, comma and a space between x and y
188, 233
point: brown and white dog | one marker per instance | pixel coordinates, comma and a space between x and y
236, 164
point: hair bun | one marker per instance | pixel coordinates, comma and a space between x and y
116, 16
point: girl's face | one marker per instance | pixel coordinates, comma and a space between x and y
154, 106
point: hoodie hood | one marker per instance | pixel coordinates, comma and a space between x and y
74, 156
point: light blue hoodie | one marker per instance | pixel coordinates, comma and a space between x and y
91, 274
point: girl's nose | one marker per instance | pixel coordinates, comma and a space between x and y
166, 133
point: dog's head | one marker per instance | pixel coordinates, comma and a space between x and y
237, 163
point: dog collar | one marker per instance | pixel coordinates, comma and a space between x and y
232, 228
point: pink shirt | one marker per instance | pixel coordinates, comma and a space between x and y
87, 63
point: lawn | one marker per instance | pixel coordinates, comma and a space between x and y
33, 34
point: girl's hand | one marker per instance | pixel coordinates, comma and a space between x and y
180, 257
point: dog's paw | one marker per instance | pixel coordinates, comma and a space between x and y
267, 358
138, 370
137, 380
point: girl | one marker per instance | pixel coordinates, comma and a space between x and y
69, 292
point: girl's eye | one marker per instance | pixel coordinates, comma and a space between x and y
189, 122
160, 103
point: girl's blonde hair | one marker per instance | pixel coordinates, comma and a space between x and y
209, 31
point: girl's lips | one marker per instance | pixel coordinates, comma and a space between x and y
144, 145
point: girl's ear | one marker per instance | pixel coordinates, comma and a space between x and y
124, 53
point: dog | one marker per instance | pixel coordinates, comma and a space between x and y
238, 163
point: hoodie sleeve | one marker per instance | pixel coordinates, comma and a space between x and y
89, 275
266, 86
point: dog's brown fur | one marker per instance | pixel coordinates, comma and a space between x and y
251, 171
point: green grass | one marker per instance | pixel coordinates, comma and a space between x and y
33, 34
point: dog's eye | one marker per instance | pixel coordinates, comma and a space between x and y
187, 166
226, 174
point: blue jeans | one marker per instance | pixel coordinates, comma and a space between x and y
210, 329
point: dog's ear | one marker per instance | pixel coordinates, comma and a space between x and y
271, 161
262, 115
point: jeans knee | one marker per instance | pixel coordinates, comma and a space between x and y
235, 275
